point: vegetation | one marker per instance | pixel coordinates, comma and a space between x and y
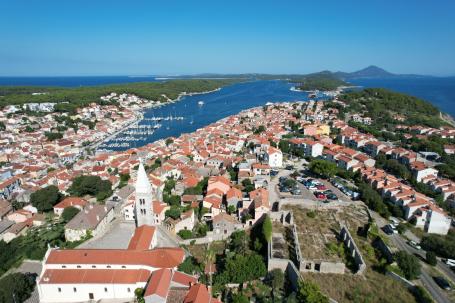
381, 104
373, 200
309, 292
91, 185
408, 264
320, 81
199, 189
248, 186
44, 199
421, 295
69, 99
69, 213
267, 228
190, 266
431, 258
323, 168
16, 287
443, 246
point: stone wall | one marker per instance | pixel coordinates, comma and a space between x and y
385, 250
353, 249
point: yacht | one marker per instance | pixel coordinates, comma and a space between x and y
200, 103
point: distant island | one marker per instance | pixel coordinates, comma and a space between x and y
69, 99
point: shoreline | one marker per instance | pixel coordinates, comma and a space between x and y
140, 116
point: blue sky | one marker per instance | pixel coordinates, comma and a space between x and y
132, 37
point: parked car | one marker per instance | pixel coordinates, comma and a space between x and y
289, 167
282, 179
320, 196
273, 173
390, 229
449, 262
332, 196
413, 244
442, 282
321, 187
296, 191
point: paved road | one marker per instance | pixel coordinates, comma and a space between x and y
436, 292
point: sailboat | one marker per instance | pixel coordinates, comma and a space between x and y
200, 103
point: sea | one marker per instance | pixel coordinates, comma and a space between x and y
234, 98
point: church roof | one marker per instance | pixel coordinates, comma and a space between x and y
142, 182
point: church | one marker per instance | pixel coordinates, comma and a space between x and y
113, 275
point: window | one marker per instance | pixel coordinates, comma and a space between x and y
93, 266
74, 289
123, 266
78, 266
63, 266
128, 289
108, 266
59, 289
105, 289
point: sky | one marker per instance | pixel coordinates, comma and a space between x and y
172, 37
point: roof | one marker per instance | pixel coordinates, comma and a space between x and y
71, 201
89, 217
142, 238
158, 257
142, 181
198, 293
159, 283
91, 276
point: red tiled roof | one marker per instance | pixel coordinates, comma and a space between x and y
142, 238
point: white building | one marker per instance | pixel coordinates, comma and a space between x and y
144, 198
275, 157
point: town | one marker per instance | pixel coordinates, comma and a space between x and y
280, 202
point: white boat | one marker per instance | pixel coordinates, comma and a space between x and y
200, 103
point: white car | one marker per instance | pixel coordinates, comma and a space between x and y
450, 262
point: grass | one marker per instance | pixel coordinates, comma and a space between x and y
199, 250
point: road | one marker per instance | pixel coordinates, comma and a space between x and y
435, 291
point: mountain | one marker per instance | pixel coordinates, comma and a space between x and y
372, 71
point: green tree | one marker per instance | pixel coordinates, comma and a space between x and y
174, 212
69, 213
91, 185
247, 185
308, 292
275, 279
240, 298
267, 229
169, 141
431, 258
185, 234
44, 199
239, 242
323, 168
421, 295
409, 264
16, 287
190, 266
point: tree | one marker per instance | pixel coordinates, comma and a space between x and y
174, 212
190, 266
44, 199
16, 287
69, 213
431, 258
185, 234
169, 141
308, 292
91, 185
421, 295
240, 298
409, 264
239, 242
275, 279
248, 186
267, 229
231, 209
323, 168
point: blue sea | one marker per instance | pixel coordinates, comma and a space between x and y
440, 91
237, 97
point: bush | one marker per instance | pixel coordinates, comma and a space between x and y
91, 185
431, 258
185, 234
69, 213
409, 265
443, 246
421, 295
323, 168
309, 292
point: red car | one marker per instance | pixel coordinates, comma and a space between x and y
320, 196
321, 187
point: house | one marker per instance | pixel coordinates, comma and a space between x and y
219, 182
274, 157
20, 215
9, 186
93, 219
224, 224
187, 221
420, 171
76, 202
5, 208
234, 197
15, 231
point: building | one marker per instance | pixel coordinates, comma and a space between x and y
76, 202
144, 197
274, 157
93, 219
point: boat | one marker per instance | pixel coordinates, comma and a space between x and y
200, 103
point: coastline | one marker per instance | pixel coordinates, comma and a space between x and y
140, 116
